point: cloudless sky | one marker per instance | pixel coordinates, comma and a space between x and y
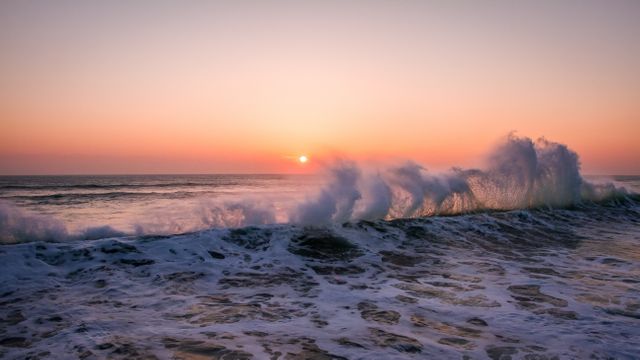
248, 86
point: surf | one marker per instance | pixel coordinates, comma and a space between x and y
519, 173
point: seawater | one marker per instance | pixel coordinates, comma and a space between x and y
523, 284
129, 204
523, 259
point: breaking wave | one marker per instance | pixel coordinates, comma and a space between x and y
519, 174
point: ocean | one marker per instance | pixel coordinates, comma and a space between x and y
305, 267
136, 204
65, 207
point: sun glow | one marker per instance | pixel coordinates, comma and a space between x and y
303, 159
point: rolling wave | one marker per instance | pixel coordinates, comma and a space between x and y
520, 174
535, 223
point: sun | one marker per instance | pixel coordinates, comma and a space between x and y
303, 159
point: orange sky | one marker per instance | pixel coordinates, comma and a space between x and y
247, 86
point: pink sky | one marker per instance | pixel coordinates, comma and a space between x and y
247, 86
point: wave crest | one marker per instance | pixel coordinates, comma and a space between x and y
520, 174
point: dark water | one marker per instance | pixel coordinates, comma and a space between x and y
540, 283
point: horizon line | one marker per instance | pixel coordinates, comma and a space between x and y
224, 173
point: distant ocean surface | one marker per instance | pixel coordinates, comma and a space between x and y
167, 203
517, 261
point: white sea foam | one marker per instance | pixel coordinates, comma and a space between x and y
519, 174
542, 283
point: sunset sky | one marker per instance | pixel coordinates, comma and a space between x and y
249, 86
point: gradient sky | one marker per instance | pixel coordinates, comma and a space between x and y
247, 86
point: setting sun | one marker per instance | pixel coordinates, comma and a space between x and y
303, 159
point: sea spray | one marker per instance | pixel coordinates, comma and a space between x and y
335, 202
17, 225
519, 174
